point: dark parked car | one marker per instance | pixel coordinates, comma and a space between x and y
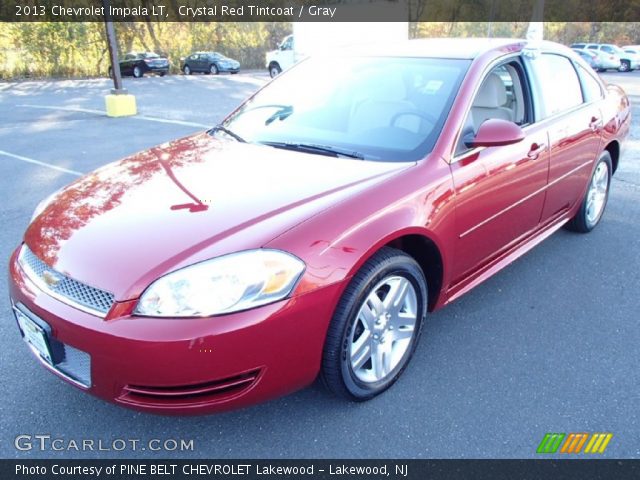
137, 64
209, 62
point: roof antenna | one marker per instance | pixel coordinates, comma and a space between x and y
535, 32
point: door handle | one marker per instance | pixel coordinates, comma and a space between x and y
536, 149
595, 123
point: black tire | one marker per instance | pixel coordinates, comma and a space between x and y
336, 371
137, 72
110, 72
583, 222
625, 66
213, 69
162, 74
274, 70
187, 70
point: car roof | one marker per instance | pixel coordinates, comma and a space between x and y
455, 48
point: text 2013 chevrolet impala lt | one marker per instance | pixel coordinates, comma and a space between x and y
314, 229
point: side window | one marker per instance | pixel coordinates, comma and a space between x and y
607, 49
592, 47
559, 84
503, 95
590, 86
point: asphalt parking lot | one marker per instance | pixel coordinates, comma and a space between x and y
550, 344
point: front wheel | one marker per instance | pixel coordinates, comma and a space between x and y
214, 69
375, 327
595, 200
137, 72
274, 70
625, 66
187, 70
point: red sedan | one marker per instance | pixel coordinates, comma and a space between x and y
312, 232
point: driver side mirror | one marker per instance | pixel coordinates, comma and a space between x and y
495, 132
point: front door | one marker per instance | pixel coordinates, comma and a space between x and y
499, 190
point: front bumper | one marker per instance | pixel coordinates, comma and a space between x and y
188, 365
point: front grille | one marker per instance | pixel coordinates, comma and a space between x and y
76, 365
66, 289
203, 393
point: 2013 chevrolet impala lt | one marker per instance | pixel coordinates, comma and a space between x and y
311, 232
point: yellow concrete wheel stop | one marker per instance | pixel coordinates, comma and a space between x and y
120, 105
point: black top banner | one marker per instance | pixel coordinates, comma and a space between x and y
319, 11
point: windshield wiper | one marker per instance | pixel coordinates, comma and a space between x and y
317, 149
223, 129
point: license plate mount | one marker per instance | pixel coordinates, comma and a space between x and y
34, 335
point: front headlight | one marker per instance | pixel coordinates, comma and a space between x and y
226, 284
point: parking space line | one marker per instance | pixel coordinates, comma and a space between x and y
42, 164
102, 112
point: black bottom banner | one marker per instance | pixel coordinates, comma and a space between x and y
318, 469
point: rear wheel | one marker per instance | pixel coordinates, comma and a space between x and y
625, 66
187, 70
214, 69
376, 326
110, 72
137, 72
595, 200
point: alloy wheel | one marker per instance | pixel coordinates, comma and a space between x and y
383, 330
597, 196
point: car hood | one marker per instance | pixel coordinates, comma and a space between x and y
124, 225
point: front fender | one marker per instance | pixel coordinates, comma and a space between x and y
337, 242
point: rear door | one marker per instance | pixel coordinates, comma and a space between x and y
126, 66
200, 61
570, 108
499, 190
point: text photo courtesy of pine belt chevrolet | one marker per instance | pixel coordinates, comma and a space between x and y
311, 235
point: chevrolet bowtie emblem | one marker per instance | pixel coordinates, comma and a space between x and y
51, 278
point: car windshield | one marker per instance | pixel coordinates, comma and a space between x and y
150, 55
386, 109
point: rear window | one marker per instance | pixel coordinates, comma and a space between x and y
560, 86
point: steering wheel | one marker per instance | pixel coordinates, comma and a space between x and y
415, 113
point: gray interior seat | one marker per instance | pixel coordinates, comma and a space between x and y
489, 102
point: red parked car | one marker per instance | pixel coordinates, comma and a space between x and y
312, 232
